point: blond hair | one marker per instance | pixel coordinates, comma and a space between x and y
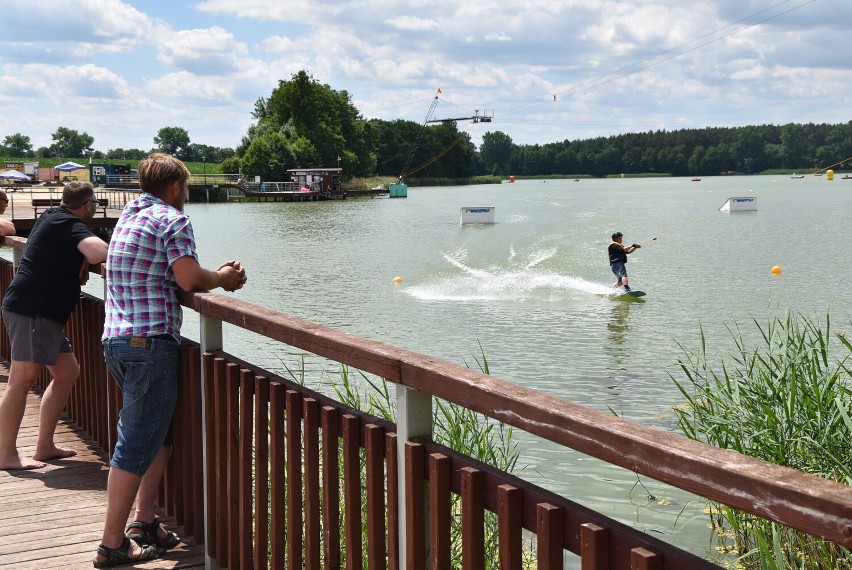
160, 170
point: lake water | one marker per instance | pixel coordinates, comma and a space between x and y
533, 290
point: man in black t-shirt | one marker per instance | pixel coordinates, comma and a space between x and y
36, 306
618, 260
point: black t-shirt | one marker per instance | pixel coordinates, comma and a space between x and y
616, 253
47, 282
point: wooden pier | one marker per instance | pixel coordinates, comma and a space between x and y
53, 517
26, 204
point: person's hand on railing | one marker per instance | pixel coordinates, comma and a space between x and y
232, 275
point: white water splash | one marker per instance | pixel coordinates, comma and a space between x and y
501, 283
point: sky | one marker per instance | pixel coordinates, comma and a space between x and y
546, 70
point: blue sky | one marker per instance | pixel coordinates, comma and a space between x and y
548, 71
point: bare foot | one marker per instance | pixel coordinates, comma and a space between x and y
19, 462
53, 453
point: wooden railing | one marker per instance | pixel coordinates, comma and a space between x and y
268, 473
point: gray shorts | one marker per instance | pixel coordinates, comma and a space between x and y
619, 269
35, 339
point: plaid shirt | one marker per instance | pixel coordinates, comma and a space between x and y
142, 292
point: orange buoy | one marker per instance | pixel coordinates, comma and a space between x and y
397, 279
776, 270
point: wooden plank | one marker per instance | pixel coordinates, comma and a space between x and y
473, 518
278, 490
352, 491
232, 467
644, 559
294, 480
325, 341
549, 531
374, 443
261, 470
54, 517
415, 507
313, 548
439, 510
594, 547
392, 462
219, 549
331, 487
509, 514
209, 405
195, 524
246, 506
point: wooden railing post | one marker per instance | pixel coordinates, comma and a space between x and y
211, 341
413, 423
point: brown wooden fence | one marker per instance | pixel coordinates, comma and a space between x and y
268, 473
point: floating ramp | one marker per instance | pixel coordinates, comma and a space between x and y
739, 204
477, 215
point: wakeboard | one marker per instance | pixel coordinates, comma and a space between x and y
634, 294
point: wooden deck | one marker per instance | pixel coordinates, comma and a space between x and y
53, 517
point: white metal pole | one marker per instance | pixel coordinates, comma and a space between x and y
211, 340
413, 421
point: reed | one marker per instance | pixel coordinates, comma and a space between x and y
788, 401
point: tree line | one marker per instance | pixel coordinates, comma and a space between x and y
304, 123
688, 152
69, 143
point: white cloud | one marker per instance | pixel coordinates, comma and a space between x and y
74, 28
613, 65
212, 51
189, 88
412, 23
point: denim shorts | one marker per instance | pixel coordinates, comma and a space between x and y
35, 339
619, 269
146, 370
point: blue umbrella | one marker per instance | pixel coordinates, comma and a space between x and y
68, 166
14, 175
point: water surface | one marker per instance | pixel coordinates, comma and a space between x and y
533, 291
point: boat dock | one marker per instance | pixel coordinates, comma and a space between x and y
25, 205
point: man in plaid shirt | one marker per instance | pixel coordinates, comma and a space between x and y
151, 257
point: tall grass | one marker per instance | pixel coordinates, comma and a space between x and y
787, 401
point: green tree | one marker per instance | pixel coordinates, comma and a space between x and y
840, 142
749, 146
797, 145
18, 145
268, 156
496, 152
174, 141
231, 165
126, 154
70, 143
696, 161
325, 117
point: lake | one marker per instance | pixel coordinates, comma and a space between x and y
533, 291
